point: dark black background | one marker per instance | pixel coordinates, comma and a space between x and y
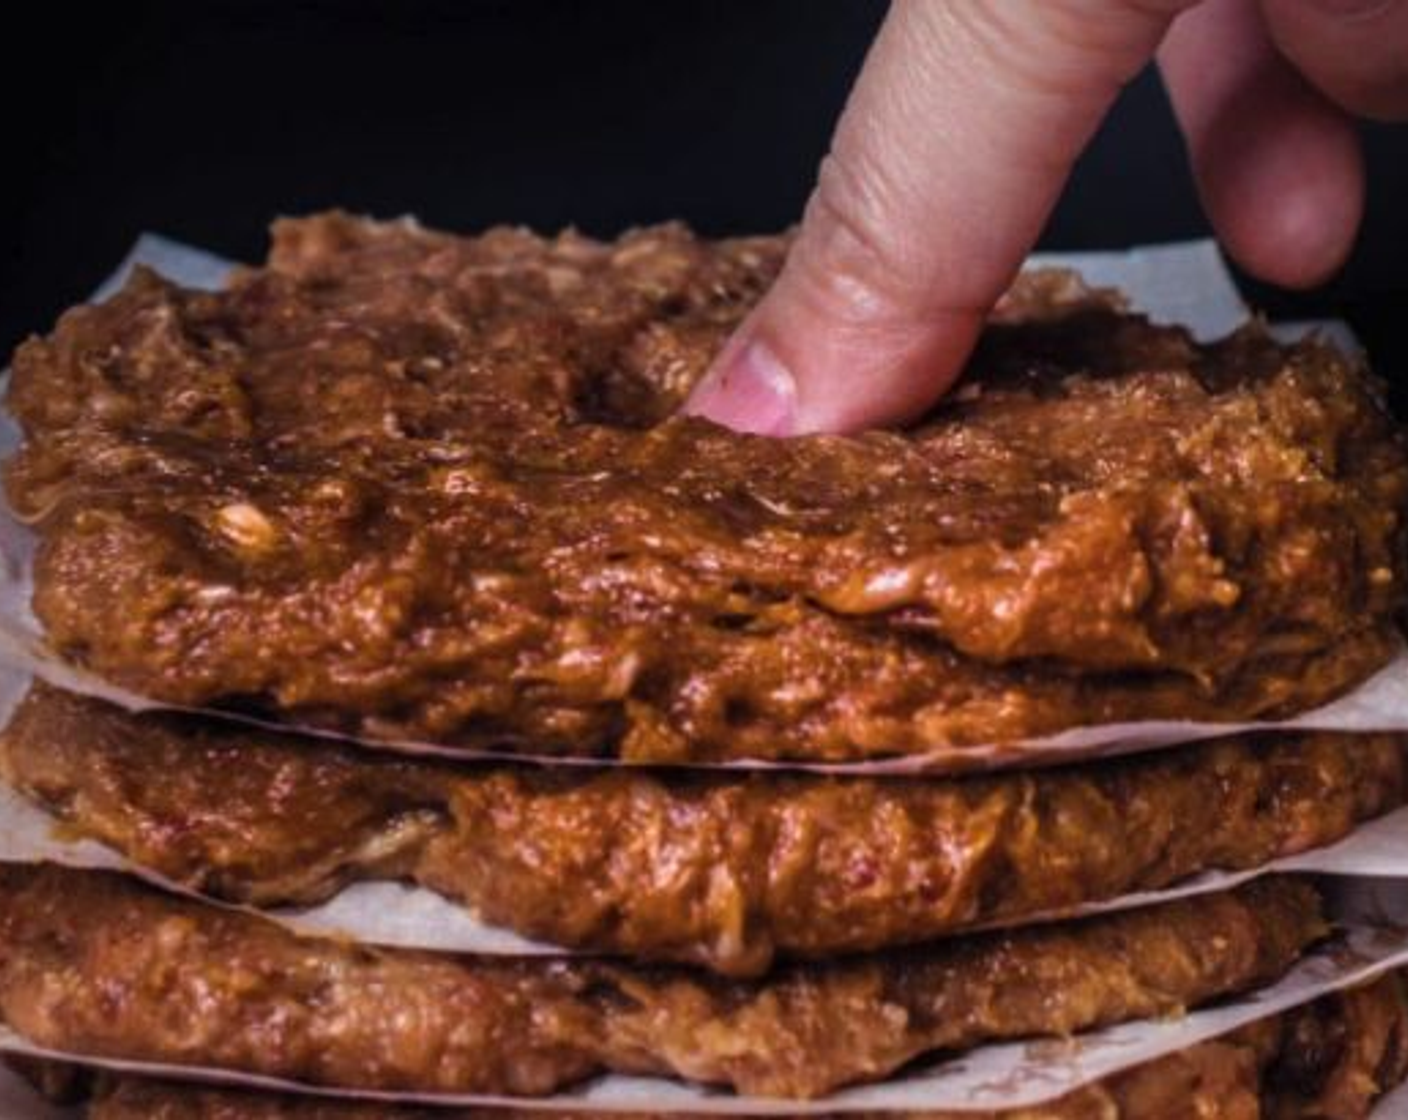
204, 120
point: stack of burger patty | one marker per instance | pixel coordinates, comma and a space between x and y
429, 497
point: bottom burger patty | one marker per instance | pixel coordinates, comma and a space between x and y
722, 871
1329, 1060
96, 963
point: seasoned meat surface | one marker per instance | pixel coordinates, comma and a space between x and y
722, 871
407, 484
1327, 1061
95, 963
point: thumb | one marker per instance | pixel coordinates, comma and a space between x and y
953, 147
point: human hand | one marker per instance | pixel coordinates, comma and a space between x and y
959, 135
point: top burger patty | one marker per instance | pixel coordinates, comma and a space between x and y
403, 483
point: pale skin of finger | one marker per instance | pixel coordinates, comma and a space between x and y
1278, 166
956, 141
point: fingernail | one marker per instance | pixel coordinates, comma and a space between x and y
752, 392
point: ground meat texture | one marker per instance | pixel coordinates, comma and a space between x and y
721, 871
1328, 1061
407, 484
92, 962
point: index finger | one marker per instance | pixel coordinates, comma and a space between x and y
954, 145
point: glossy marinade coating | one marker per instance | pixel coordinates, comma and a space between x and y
1329, 1060
722, 871
95, 963
408, 484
